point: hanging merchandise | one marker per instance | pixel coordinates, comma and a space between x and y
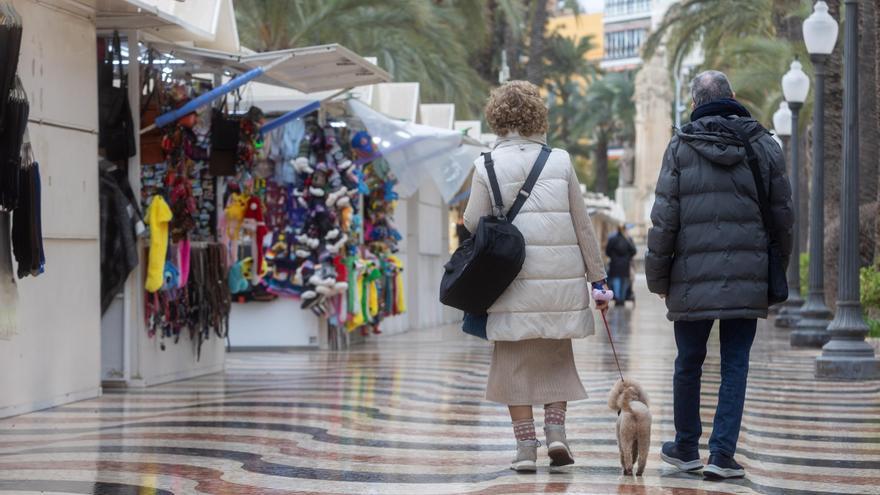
158, 217
121, 224
244, 222
115, 126
183, 177
27, 224
10, 46
224, 142
201, 306
11, 140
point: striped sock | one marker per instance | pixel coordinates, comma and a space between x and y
554, 416
524, 430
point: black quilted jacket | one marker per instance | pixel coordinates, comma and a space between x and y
707, 249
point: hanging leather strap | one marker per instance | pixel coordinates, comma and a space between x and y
524, 192
752, 160
498, 209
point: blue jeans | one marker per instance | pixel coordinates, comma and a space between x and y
736, 341
620, 286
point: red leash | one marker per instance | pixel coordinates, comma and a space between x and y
611, 340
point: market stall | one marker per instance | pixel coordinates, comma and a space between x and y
382, 150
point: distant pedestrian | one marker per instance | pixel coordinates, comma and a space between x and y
707, 255
548, 304
620, 251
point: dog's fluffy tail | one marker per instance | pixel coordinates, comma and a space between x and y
638, 409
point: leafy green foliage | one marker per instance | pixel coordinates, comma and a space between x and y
869, 282
414, 40
753, 41
804, 273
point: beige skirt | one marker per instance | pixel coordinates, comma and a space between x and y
533, 372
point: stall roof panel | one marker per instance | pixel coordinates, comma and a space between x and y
168, 19
319, 68
308, 70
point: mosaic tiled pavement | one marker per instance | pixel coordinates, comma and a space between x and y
405, 415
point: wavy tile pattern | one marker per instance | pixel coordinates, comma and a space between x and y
405, 415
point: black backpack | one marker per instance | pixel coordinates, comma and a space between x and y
485, 265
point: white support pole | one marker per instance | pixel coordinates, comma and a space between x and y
131, 312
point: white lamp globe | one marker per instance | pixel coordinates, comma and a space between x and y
820, 31
795, 84
782, 120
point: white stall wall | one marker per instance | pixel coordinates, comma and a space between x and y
278, 324
55, 359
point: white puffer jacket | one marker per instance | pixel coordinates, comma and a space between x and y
550, 297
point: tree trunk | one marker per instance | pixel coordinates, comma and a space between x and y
600, 157
833, 155
487, 60
534, 69
869, 134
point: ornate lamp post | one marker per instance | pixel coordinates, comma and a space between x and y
847, 356
795, 87
820, 36
782, 131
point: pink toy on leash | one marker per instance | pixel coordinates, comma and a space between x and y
602, 294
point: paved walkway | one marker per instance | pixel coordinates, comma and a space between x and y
405, 415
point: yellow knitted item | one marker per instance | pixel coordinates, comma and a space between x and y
235, 214
357, 317
374, 299
401, 294
158, 216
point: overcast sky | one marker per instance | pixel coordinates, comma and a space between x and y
592, 6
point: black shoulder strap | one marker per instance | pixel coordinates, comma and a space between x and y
526, 190
498, 209
752, 159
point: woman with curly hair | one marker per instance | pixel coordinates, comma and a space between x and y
531, 325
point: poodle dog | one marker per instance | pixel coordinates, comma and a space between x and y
633, 424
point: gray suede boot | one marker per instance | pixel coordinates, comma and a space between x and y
526, 456
557, 446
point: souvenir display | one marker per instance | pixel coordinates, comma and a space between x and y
20, 224
185, 267
307, 213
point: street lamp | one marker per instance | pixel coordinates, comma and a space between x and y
847, 356
782, 131
820, 36
795, 87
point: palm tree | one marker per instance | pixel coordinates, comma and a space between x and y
609, 115
535, 67
710, 24
428, 42
568, 73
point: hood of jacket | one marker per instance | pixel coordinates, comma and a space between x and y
715, 139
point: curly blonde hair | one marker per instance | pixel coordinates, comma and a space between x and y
517, 106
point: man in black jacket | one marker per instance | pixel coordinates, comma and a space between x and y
707, 256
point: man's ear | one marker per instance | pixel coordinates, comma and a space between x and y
734, 94
693, 105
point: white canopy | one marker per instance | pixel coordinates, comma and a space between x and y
309, 70
415, 152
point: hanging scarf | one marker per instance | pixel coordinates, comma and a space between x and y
723, 107
8, 290
27, 233
158, 216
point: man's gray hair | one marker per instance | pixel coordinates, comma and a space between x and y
709, 86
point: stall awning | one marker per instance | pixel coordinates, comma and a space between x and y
309, 70
169, 20
417, 152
